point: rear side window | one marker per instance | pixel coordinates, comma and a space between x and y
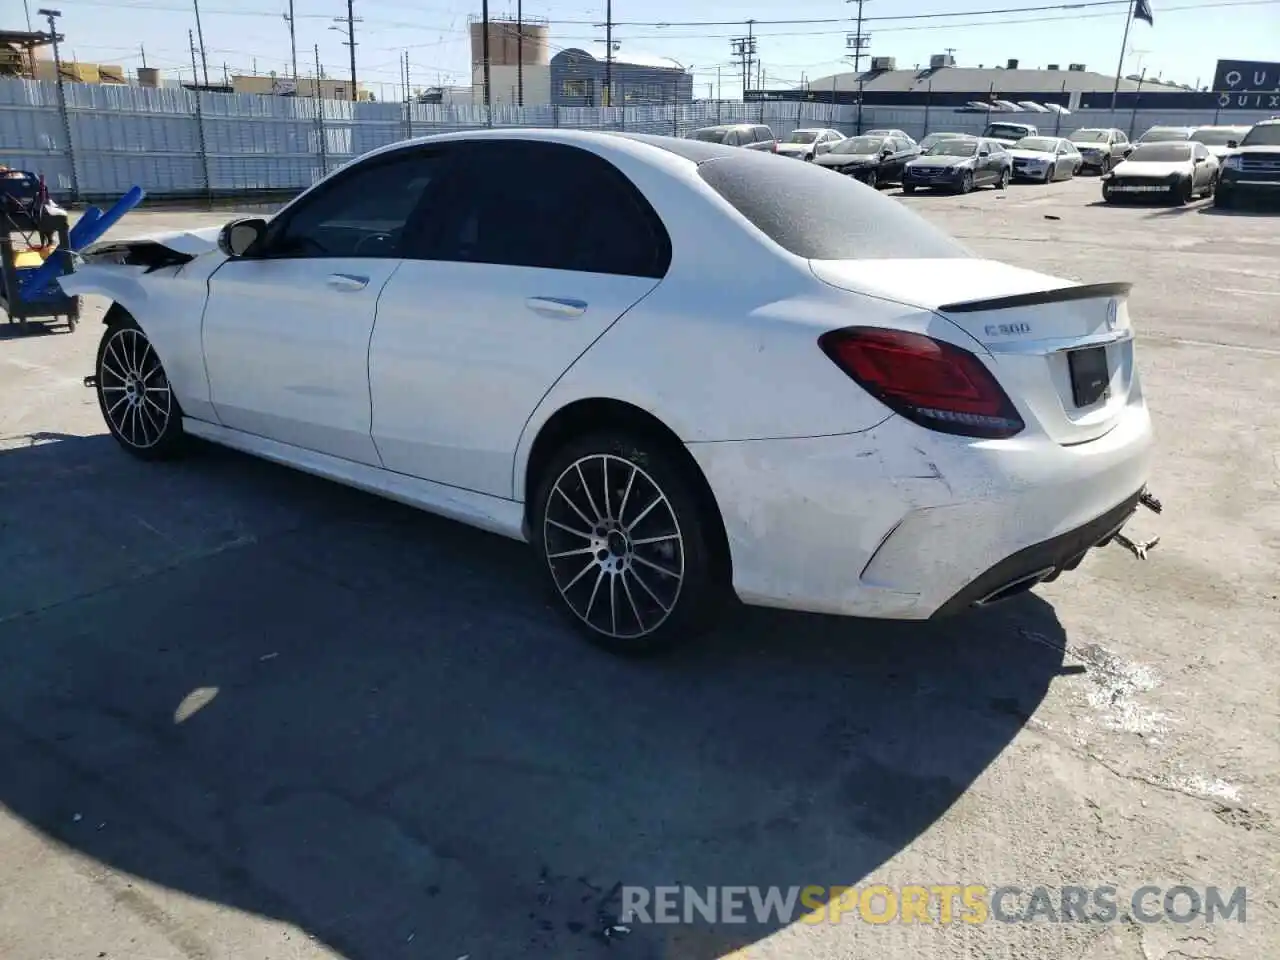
810, 213
583, 214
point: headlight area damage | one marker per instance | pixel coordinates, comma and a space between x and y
153, 252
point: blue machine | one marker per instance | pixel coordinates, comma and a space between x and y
90, 228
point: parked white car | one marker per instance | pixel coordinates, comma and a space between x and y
1045, 159
808, 142
677, 369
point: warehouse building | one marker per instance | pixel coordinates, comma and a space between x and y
578, 80
942, 83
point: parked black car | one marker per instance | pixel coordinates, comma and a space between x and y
959, 166
872, 159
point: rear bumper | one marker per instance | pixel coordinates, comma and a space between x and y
1040, 562
900, 522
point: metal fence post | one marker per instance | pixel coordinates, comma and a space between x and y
204, 149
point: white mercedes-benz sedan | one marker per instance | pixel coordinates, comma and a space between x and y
680, 371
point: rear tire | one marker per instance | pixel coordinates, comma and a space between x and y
134, 394
630, 548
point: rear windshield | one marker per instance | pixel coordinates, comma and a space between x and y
811, 213
1161, 152
1090, 136
709, 136
1006, 130
803, 136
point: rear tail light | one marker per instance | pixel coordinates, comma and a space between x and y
932, 383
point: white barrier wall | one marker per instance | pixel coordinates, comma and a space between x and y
178, 143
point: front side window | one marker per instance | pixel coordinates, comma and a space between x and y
363, 212
568, 210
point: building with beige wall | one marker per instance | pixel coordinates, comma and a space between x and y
330, 89
505, 80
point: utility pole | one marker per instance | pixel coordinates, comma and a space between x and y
608, 53
519, 53
744, 49
191, 40
204, 61
484, 52
351, 41
142, 49
293, 47
857, 41
347, 25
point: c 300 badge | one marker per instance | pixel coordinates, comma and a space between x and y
1113, 313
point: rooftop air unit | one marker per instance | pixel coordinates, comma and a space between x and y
940, 60
883, 63
1076, 68
1052, 66
1011, 65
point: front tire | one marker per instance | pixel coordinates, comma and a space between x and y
1003, 182
630, 547
908, 188
873, 180
134, 394
966, 182
1184, 192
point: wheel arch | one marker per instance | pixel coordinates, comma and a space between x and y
592, 414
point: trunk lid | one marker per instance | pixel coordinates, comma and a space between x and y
1044, 336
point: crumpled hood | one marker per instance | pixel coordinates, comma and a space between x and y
192, 243
1084, 145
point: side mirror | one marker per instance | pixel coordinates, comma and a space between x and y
238, 236
1232, 144
984, 153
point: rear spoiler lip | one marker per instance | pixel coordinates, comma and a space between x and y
1084, 291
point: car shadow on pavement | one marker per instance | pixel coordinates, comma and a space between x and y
277, 694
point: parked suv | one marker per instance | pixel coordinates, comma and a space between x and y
1101, 147
1007, 134
753, 136
1252, 168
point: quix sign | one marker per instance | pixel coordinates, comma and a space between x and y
1247, 85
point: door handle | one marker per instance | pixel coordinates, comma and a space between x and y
556, 306
347, 281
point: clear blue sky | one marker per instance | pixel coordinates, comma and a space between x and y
1188, 36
